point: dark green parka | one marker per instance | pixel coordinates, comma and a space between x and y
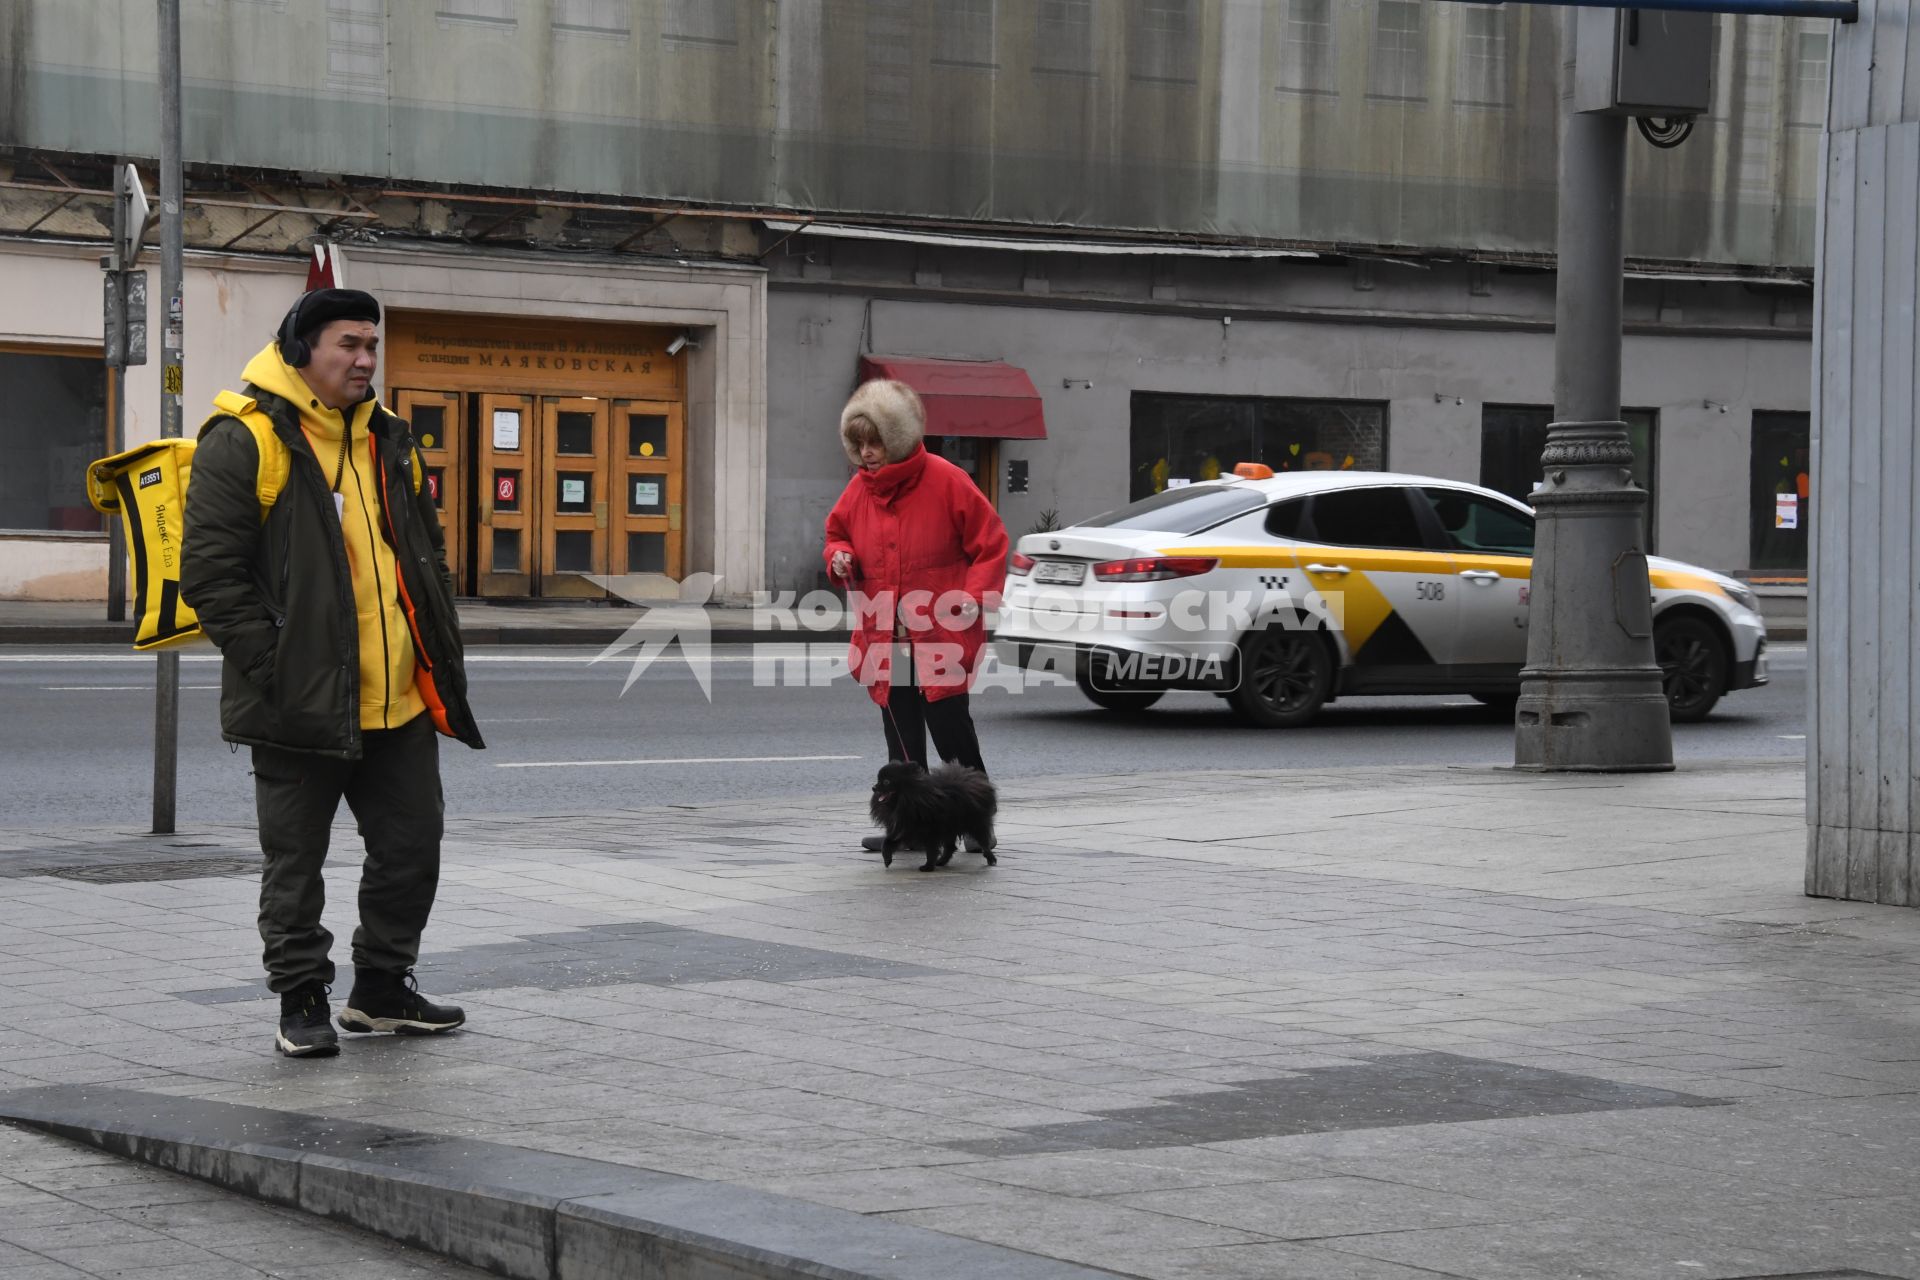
277, 596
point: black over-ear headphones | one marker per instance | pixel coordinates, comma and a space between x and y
294, 349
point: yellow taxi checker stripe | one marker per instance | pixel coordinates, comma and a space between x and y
1678, 580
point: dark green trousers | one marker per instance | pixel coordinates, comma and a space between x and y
394, 792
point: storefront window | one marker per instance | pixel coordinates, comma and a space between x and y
972, 454
1180, 439
1512, 438
53, 422
1782, 514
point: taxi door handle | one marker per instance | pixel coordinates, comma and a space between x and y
1335, 569
1480, 575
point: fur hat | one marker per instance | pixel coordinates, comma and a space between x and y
895, 412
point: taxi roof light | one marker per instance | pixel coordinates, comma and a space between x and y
1253, 471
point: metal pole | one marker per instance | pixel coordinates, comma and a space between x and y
117, 410
166, 713
1590, 695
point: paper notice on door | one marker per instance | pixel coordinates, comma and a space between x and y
1178, 482
506, 428
573, 492
1786, 511
646, 493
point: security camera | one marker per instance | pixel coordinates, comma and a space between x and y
677, 345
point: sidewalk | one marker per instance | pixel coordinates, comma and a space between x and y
36, 622
1378, 1025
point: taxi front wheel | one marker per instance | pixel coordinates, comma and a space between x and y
1286, 674
1693, 667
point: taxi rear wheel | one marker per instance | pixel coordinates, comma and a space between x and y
1286, 674
1693, 667
1118, 699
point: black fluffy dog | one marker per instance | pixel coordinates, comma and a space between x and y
931, 811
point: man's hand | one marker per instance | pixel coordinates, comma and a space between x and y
842, 566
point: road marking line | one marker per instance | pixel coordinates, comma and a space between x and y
585, 764
113, 688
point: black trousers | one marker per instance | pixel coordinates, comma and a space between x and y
909, 718
394, 792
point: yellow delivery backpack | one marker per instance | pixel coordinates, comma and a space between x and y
146, 486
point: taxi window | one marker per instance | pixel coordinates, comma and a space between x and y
1379, 517
1288, 519
1474, 523
1188, 509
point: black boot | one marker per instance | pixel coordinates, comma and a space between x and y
392, 1002
304, 1032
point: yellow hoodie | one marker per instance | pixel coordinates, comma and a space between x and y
388, 698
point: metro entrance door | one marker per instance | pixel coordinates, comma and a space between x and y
437, 423
507, 494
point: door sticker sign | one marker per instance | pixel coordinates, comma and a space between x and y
506, 429
573, 492
646, 493
504, 488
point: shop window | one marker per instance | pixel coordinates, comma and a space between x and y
1063, 37
1179, 439
53, 422
973, 455
1782, 490
1398, 68
1512, 438
1309, 58
1164, 41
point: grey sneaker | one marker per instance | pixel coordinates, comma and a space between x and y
304, 1031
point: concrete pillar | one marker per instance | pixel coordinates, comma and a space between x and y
1863, 799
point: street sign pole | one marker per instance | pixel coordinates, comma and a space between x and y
126, 344
166, 711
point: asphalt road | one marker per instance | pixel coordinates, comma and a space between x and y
76, 735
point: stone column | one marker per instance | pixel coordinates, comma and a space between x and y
1863, 801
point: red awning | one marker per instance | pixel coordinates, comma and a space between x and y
967, 397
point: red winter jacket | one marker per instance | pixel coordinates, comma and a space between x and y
919, 531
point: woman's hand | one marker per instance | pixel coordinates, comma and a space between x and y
842, 566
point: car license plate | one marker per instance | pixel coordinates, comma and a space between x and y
1065, 573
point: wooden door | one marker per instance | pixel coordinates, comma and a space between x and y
508, 494
574, 507
437, 419
648, 460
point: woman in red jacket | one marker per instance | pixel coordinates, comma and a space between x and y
924, 555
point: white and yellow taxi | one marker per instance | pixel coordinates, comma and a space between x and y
1286, 591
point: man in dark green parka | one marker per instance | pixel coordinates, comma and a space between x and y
334, 611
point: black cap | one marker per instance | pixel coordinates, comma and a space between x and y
319, 308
